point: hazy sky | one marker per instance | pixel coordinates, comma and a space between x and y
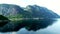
50, 4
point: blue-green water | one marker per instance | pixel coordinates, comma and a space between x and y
53, 29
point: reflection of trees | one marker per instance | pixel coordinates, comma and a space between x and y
3, 20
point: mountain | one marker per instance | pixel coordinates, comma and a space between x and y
10, 10
28, 12
37, 11
32, 17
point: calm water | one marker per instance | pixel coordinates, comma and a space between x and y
53, 29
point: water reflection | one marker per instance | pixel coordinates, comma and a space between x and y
29, 24
53, 29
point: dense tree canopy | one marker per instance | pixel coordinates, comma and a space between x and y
3, 20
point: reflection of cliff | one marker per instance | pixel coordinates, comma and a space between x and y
14, 13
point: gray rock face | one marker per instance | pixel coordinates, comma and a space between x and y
7, 9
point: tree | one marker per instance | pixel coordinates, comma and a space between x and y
3, 20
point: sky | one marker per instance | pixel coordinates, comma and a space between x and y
53, 5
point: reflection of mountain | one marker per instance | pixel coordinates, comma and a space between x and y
15, 12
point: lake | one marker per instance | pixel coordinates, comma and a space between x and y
53, 29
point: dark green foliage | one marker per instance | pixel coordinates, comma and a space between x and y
3, 20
